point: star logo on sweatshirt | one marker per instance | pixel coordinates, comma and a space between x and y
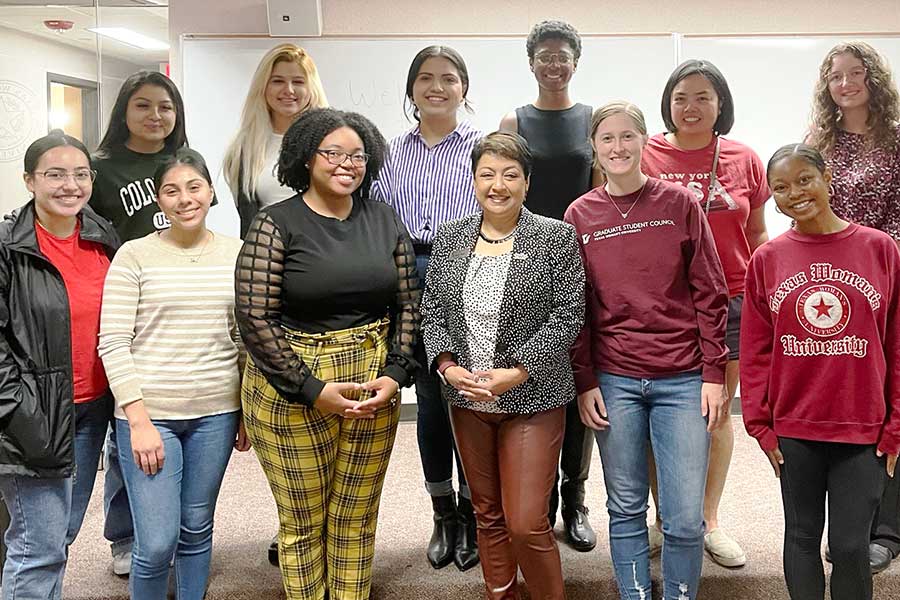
823, 310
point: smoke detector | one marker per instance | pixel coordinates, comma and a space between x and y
58, 25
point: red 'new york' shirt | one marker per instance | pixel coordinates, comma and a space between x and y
740, 188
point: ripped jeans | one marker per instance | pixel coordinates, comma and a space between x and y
667, 411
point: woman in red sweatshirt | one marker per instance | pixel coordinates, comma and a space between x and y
650, 361
821, 388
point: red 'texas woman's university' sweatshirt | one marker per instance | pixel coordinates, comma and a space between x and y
820, 346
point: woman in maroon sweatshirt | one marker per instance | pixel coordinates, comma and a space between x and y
650, 362
821, 388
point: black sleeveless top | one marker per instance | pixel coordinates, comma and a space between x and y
561, 146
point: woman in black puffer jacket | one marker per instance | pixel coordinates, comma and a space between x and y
55, 404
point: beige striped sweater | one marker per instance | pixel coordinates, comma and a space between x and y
167, 330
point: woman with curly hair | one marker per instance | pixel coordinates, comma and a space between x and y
286, 83
327, 303
856, 126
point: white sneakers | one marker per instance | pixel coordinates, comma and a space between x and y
723, 549
122, 563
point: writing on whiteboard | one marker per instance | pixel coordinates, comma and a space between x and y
370, 94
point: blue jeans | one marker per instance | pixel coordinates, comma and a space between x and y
45, 514
174, 509
665, 411
117, 526
92, 419
39, 511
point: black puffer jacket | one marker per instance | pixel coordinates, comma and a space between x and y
37, 425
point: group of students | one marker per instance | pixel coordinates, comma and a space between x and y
565, 281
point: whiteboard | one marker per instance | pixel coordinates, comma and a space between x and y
368, 75
772, 79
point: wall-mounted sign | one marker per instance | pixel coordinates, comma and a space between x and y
18, 122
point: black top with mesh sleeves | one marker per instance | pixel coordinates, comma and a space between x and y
311, 273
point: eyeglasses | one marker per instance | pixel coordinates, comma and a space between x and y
548, 58
336, 157
57, 177
855, 75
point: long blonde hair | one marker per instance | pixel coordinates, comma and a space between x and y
246, 153
884, 102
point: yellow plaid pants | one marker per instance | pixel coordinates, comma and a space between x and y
326, 472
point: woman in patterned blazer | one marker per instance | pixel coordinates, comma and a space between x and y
504, 301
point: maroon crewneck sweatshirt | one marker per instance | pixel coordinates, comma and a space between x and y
820, 339
656, 294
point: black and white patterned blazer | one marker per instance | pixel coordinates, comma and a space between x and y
541, 313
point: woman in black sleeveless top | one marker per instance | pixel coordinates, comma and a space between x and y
558, 135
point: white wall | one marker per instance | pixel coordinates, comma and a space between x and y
476, 17
24, 63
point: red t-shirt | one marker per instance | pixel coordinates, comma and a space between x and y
83, 266
741, 187
656, 298
820, 339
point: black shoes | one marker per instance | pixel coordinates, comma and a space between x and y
442, 545
879, 558
273, 551
465, 555
578, 530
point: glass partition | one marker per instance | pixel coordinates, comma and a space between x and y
61, 67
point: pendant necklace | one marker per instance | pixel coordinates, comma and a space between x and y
196, 258
627, 212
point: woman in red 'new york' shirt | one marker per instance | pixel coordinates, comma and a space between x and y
820, 383
728, 180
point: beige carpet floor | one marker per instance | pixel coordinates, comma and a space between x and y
246, 521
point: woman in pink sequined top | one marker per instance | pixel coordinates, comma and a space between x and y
855, 117
856, 126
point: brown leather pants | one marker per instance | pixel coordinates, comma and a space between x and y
510, 463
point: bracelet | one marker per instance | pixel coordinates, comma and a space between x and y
446, 365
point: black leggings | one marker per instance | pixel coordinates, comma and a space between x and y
852, 477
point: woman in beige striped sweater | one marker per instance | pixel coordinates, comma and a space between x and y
172, 353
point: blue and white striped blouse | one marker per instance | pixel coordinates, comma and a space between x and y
429, 186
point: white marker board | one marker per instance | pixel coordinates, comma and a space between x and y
771, 78
368, 75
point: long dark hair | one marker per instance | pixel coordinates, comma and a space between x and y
409, 105
117, 131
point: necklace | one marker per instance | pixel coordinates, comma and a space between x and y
627, 212
499, 241
194, 258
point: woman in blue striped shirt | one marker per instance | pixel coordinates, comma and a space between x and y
428, 180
